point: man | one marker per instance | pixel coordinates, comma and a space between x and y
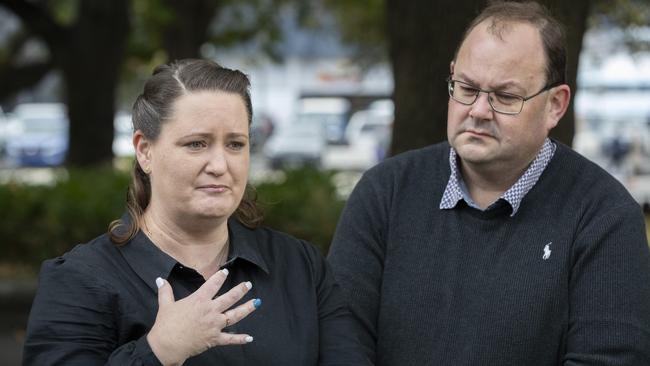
500, 247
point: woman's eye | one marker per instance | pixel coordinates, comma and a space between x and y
196, 145
236, 145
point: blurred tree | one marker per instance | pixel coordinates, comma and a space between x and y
85, 41
419, 37
422, 39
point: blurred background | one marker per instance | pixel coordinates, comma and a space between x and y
337, 86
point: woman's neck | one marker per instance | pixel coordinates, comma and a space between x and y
204, 249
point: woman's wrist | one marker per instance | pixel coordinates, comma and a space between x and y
165, 354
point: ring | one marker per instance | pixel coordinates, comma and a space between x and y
227, 322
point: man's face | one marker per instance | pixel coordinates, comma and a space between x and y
514, 63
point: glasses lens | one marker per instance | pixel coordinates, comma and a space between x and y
462, 92
506, 103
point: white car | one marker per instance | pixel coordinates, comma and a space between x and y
367, 139
41, 135
296, 145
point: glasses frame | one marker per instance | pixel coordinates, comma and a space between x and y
450, 81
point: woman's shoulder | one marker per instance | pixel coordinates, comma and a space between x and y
84, 258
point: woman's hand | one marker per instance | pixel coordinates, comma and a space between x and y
194, 324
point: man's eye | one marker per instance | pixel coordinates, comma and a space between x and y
467, 90
507, 98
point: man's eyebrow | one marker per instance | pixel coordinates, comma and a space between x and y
495, 87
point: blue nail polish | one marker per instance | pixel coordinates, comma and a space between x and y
257, 303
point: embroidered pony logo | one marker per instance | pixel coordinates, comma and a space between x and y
547, 251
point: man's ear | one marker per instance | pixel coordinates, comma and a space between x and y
558, 102
142, 148
451, 67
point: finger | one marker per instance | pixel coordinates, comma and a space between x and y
210, 288
242, 311
165, 293
229, 339
235, 294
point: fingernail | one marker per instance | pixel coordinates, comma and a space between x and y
225, 271
257, 303
160, 282
249, 339
248, 285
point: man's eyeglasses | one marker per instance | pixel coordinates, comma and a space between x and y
501, 102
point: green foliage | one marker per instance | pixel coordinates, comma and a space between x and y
40, 222
304, 205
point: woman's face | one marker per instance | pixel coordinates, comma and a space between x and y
199, 163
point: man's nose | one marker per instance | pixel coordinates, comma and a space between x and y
481, 109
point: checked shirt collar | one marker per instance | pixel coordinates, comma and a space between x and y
456, 189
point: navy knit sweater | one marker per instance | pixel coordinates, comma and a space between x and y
566, 281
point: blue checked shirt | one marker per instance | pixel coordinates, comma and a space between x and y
456, 189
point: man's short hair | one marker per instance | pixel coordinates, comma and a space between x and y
503, 13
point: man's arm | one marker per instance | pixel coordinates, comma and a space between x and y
357, 256
609, 319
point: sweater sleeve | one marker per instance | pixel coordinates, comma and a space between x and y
357, 257
338, 343
609, 319
73, 322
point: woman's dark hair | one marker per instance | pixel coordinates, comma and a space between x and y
154, 106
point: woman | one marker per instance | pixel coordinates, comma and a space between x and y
180, 279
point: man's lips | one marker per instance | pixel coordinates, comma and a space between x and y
479, 133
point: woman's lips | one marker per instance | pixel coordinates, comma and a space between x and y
213, 188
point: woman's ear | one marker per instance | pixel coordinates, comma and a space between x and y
142, 148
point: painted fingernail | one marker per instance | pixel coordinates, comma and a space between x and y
248, 285
249, 339
225, 271
160, 282
257, 303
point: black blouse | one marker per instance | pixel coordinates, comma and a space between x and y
96, 303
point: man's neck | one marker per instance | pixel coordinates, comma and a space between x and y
485, 184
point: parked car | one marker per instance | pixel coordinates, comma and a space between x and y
367, 139
41, 135
331, 112
296, 145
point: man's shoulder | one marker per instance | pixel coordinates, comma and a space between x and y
586, 179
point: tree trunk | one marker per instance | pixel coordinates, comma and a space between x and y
422, 39
91, 63
573, 14
188, 30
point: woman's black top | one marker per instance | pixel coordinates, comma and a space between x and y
96, 303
